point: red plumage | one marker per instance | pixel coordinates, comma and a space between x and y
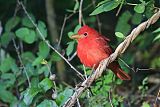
93, 47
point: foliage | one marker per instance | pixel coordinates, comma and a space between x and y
106, 5
101, 91
27, 63
144, 86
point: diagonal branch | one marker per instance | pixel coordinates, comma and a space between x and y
119, 50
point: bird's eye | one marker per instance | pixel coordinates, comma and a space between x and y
85, 34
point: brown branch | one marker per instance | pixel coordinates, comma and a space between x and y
119, 50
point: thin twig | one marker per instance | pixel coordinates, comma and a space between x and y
70, 58
131, 4
135, 69
62, 29
78, 104
80, 12
110, 100
143, 69
20, 59
126, 64
48, 67
120, 7
18, 52
1, 29
85, 73
49, 45
52, 77
119, 50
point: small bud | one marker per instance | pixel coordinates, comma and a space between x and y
54, 95
44, 62
52, 77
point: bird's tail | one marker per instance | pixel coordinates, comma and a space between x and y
114, 66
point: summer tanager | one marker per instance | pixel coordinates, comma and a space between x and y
93, 47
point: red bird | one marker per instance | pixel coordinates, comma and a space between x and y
93, 47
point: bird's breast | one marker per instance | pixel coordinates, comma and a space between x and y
90, 53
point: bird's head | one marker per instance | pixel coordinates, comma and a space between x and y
85, 32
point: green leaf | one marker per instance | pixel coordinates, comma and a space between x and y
27, 57
102, 2
149, 8
139, 8
37, 61
34, 82
15, 68
145, 81
69, 10
145, 104
115, 102
46, 84
142, 1
122, 25
76, 6
31, 71
111, 5
7, 96
155, 62
98, 10
63, 96
43, 69
157, 30
70, 34
77, 28
119, 81
137, 18
29, 94
6, 64
11, 23
43, 49
106, 6
108, 77
20, 104
6, 38
107, 87
48, 103
119, 35
27, 23
156, 38
31, 37
68, 92
70, 48
27, 35
55, 57
42, 28
123, 62
9, 78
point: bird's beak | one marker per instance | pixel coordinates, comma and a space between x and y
76, 36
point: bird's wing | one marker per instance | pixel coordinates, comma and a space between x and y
105, 38
102, 42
